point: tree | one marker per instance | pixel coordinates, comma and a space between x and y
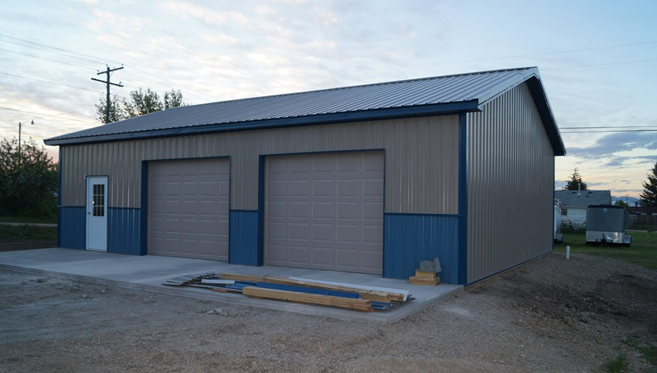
173, 99
28, 182
116, 109
140, 102
575, 182
623, 204
649, 195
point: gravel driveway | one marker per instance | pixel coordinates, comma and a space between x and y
551, 315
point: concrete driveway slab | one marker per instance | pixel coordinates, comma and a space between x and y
148, 272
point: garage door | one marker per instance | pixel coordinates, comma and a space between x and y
325, 211
188, 208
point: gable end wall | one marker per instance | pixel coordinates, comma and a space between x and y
510, 181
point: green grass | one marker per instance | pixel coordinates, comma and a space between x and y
649, 353
28, 232
643, 250
22, 219
618, 365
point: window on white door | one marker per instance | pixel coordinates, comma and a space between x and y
98, 200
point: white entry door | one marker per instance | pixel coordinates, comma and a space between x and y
97, 213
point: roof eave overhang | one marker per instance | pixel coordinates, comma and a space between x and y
533, 79
356, 116
544, 110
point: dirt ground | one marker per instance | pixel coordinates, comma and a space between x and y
11, 244
551, 315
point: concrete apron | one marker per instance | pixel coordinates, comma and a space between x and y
150, 271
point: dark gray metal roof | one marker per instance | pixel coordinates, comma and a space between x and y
426, 96
571, 198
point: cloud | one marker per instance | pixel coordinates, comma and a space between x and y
611, 144
620, 149
636, 160
628, 191
327, 18
207, 15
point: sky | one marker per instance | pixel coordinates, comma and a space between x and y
597, 60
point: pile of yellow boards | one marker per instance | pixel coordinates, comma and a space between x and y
424, 278
298, 290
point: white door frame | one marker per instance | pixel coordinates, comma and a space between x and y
96, 217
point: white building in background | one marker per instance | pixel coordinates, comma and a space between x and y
574, 203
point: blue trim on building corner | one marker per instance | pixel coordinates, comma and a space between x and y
463, 200
553, 217
310, 120
261, 210
383, 231
59, 199
143, 234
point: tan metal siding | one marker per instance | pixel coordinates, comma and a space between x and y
420, 153
510, 179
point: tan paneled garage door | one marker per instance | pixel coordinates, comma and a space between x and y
188, 208
325, 211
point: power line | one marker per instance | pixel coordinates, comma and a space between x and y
41, 114
56, 48
49, 82
50, 51
70, 64
601, 64
95, 61
407, 66
520, 56
48, 59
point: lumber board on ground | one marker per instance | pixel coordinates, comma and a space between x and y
225, 290
362, 305
425, 274
404, 294
236, 277
217, 282
373, 295
424, 281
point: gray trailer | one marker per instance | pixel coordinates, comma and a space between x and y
605, 224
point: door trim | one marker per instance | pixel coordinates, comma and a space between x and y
88, 178
143, 196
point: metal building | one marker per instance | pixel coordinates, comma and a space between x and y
369, 179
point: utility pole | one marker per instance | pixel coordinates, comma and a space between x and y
20, 129
108, 83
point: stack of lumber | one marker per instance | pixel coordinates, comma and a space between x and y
424, 278
297, 290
